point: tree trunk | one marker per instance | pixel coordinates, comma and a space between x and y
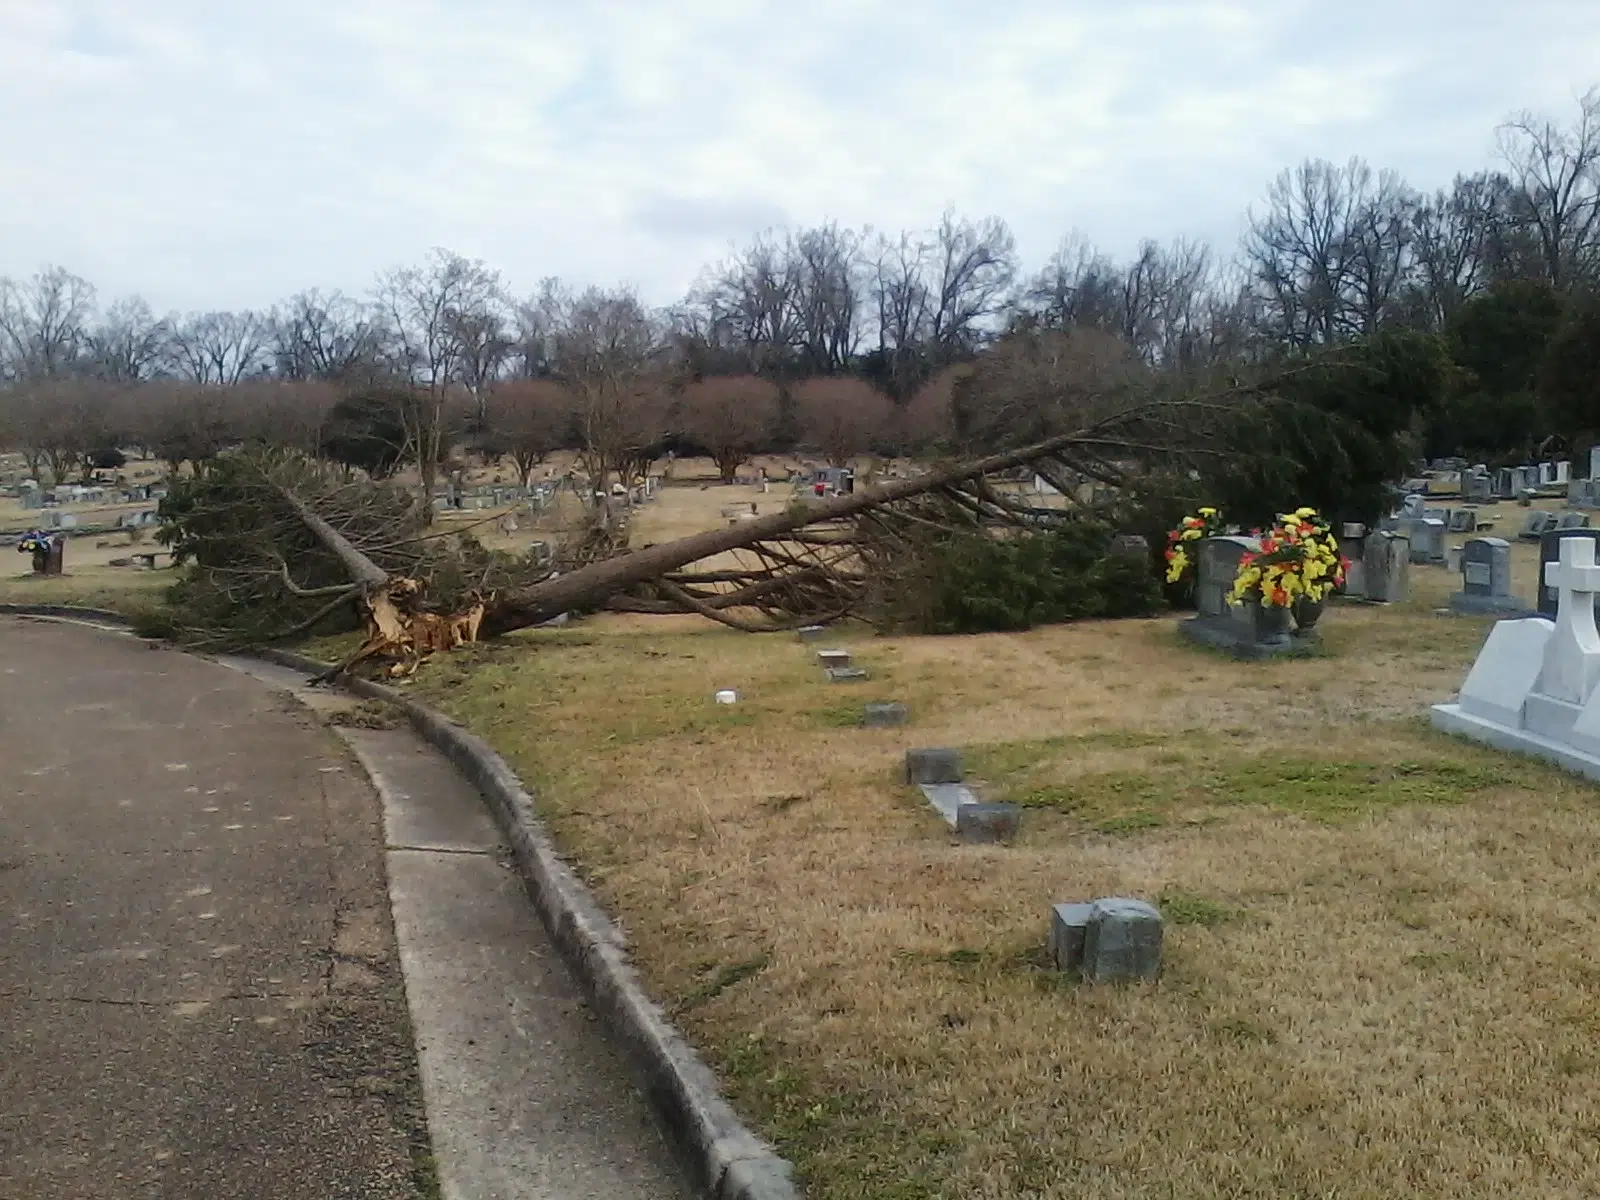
592, 585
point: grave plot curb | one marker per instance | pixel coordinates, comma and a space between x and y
729, 1160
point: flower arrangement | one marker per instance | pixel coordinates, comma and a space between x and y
1206, 522
1299, 559
34, 541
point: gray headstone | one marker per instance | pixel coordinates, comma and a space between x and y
1549, 552
1386, 567
845, 674
1217, 562
834, 658
1594, 462
879, 714
934, 764
1464, 520
1505, 482
1486, 567
1427, 541
988, 822
1575, 520
1122, 941
1486, 579
811, 633
1476, 486
1414, 506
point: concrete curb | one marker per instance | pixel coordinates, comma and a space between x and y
727, 1159
67, 612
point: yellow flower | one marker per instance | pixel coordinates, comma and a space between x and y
1208, 512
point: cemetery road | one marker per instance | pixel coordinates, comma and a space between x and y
199, 991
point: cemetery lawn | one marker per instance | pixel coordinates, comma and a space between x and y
90, 585
1379, 976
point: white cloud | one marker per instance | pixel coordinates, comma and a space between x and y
207, 156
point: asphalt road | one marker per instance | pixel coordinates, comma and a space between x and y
199, 989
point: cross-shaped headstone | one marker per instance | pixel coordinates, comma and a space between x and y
1572, 656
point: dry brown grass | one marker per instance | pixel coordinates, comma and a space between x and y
1380, 978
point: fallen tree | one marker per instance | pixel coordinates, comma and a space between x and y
270, 535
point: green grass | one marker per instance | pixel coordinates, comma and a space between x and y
1320, 789
1179, 907
721, 979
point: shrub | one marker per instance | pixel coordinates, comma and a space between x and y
969, 582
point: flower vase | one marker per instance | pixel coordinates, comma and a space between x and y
1272, 623
1307, 612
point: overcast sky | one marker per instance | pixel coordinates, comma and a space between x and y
226, 153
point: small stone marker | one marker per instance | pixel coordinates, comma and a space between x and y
837, 667
937, 771
980, 822
934, 764
811, 633
880, 714
1108, 940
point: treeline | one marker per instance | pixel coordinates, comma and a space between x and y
845, 340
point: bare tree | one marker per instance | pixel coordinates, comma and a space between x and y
973, 267
44, 324
1034, 385
425, 310
328, 337
1452, 235
840, 417
181, 421
905, 307
1078, 287
610, 350
827, 263
127, 343
529, 419
534, 320
53, 423
1555, 174
218, 348
486, 346
748, 305
1378, 252
1302, 250
281, 413
731, 417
